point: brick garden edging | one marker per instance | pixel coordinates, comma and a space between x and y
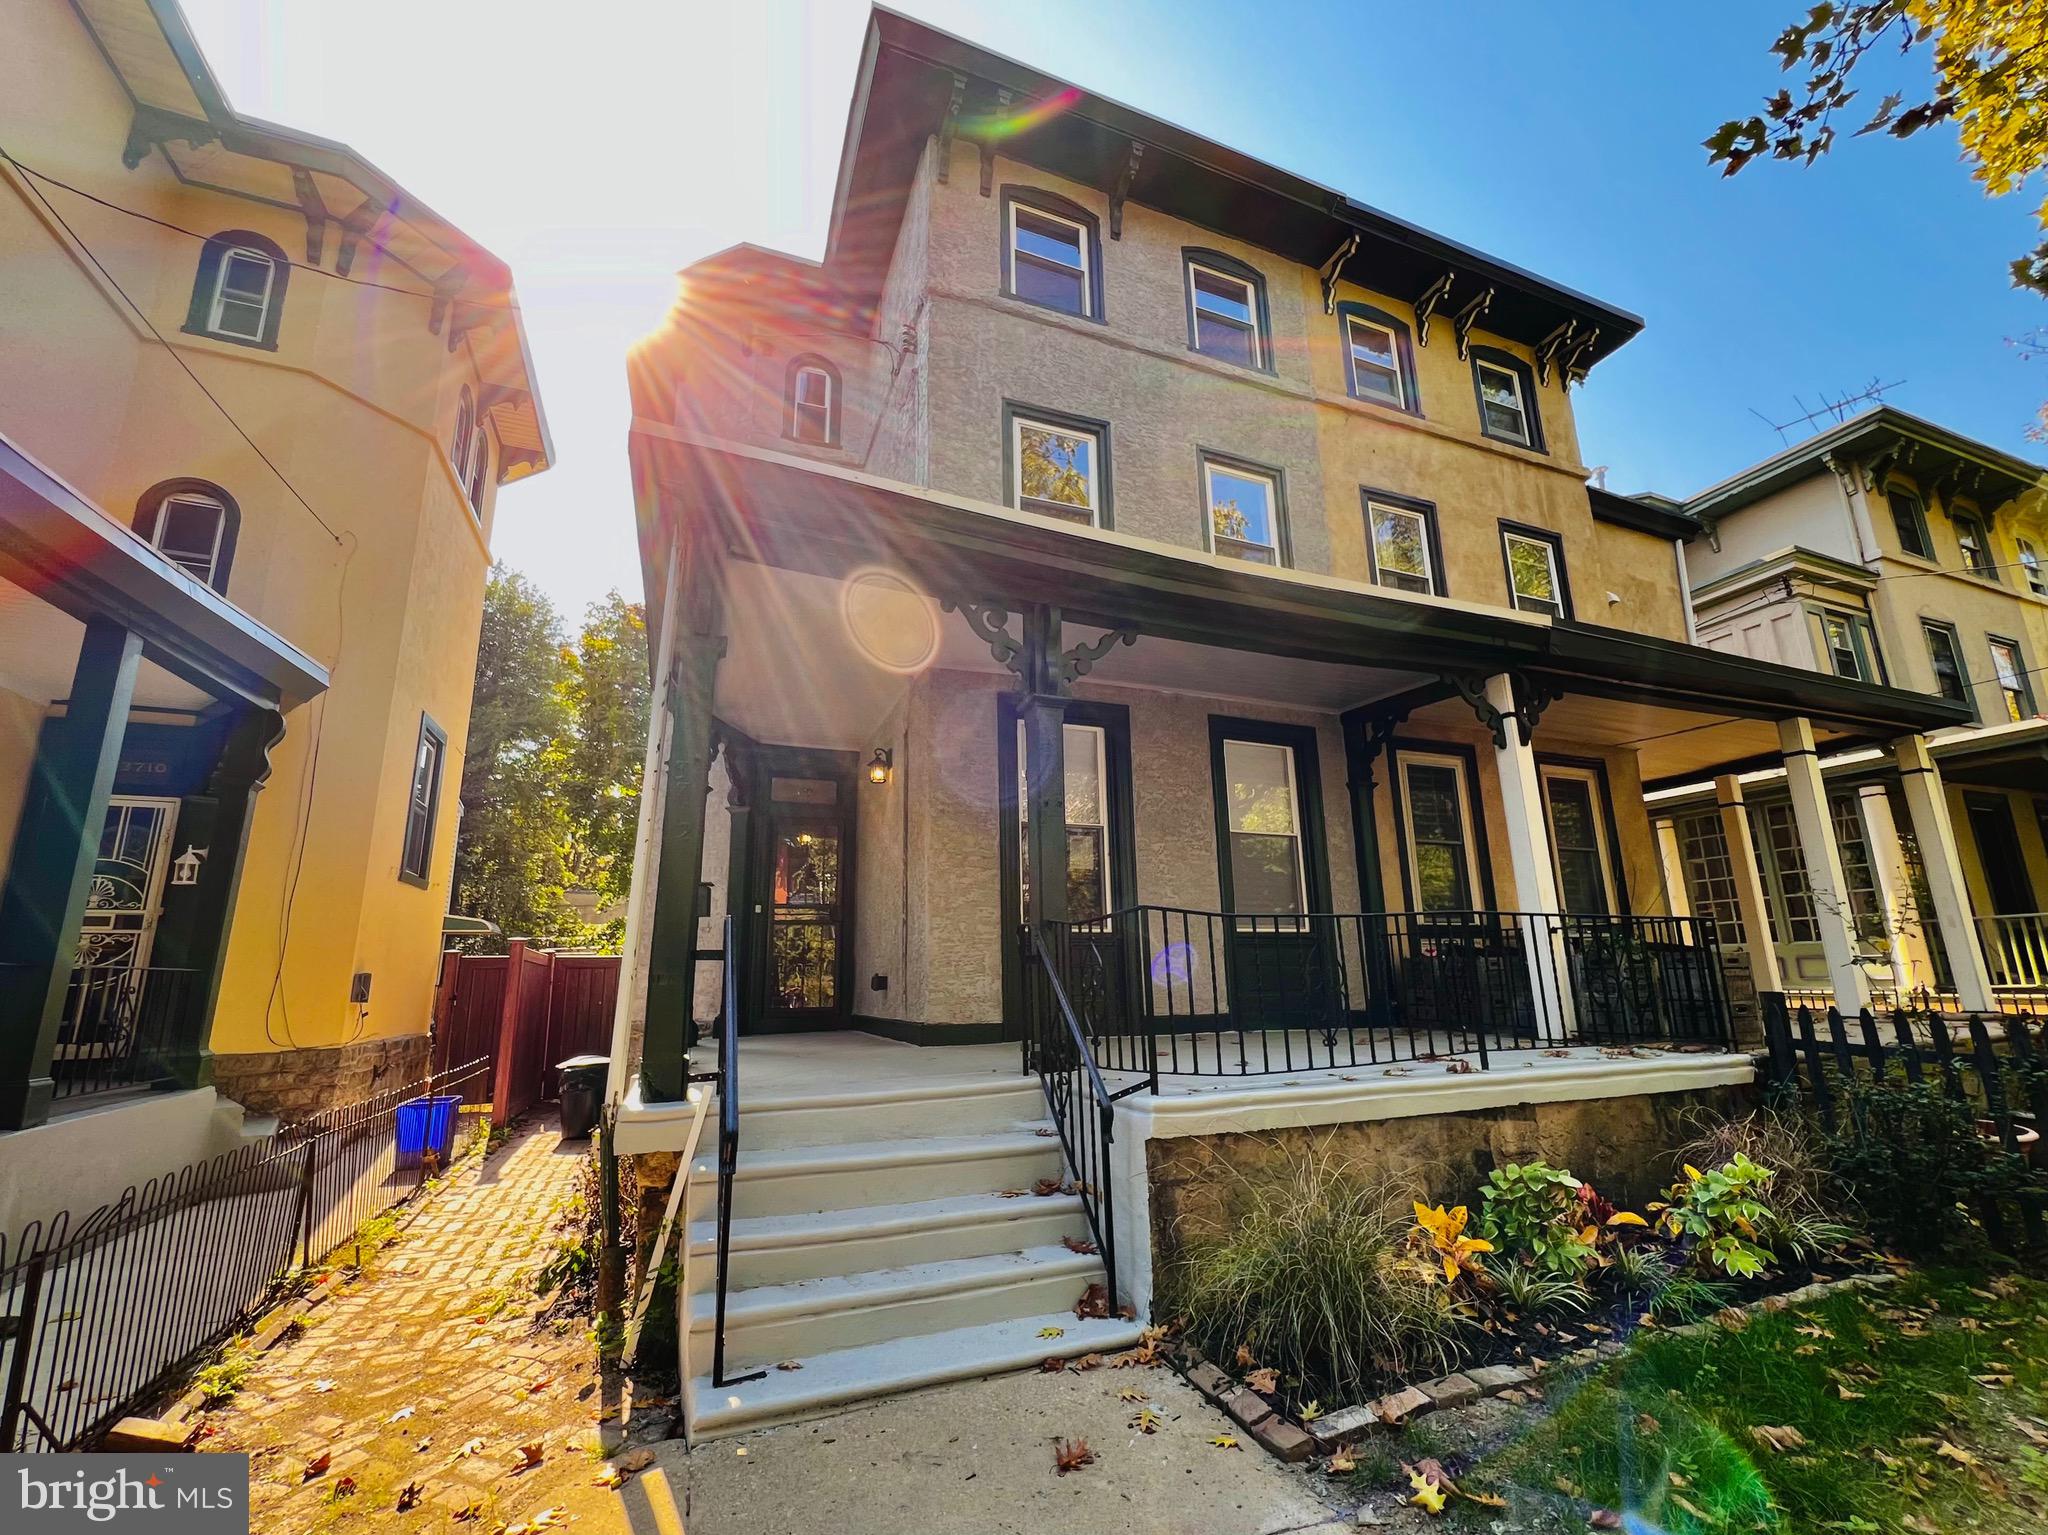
1294, 1442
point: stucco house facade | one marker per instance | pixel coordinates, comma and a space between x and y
1891, 549
1133, 615
260, 402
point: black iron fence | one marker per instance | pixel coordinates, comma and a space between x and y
118, 1023
1170, 990
99, 1314
1993, 1064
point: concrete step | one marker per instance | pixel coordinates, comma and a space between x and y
806, 1179
977, 1106
771, 1323
832, 1379
784, 1249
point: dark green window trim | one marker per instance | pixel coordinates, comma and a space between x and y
212, 254
416, 853
1283, 540
1909, 520
1105, 515
1426, 510
1404, 355
1532, 414
1091, 240
2022, 674
1192, 256
1929, 629
1308, 788
1862, 638
1985, 566
150, 507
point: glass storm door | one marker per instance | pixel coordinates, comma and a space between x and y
807, 840
126, 895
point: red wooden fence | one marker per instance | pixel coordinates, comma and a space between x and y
523, 1011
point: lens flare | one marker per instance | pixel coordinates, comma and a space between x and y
1174, 964
889, 620
1020, 119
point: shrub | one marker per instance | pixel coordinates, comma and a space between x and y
1533, 1215
1439, 1238
1315, 1280
1909, 1156
1783, 1141
1720, 1212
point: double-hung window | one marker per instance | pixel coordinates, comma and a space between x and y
1375, 361
1504, 413
423, 804
188, 530
1975, 547
1049, 257
2010, 667
1056, 469
1535, 566
1402, 544
2030, 567
1946, 656
1577, 815
1223, 315
1866, 905
1909, 521
810, 405
1085, 748
1244, 511
241, 294
1441, 866
1263, 822
1851, 647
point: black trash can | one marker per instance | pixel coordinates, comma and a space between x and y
582, 1091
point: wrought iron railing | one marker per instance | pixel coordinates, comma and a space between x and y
1059, 1049
1171, 990
119, 1023
728, 1079
98, 1314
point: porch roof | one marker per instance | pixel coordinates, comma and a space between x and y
2005, 756
63, 550
1694, 707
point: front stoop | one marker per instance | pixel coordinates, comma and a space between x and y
882, 1242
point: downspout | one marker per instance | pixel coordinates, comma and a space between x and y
1692, 623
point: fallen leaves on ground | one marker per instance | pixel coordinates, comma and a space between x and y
1143, 1354
1604, 1519
400, 1416
1086, 1363
318, 1465
1071, 1455
1956, 1453
1093, 1304
1245, 1359
1132, 1394
790, 1364
469, 1448
323, 1385
408, 1497
1310, 1413
636, 1460
1428, 1494
1052, 1332
1045, 1188
1146, 1421
610, 1476
1780, 1438
1052, 1365
345, 1487
467, 1512
1342, 1462
1225, 1442
1080, 1245
1265, 1381
530, 1455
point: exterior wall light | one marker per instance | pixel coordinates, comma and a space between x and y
880, 764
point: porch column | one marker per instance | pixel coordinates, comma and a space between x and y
1894, 888
43, 902
1749, 884
1927, 807
1825, 883
198, 943
1521, 796
1671, 860
1044, 711
672, 939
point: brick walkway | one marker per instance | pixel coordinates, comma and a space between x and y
435, 1352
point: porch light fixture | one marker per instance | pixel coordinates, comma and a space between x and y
880, 764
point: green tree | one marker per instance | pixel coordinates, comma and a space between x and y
509, 864
604, 691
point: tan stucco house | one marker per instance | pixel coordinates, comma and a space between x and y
1138, 659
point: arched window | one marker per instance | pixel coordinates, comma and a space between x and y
459, 444
238, 294
479, 467
193, 523
811, 395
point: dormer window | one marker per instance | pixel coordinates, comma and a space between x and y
1505, 390
811, 402
238, 292
1226, 303
1975, 547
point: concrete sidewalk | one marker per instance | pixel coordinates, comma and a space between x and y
977, 1459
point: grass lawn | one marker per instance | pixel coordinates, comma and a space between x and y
1920, 1408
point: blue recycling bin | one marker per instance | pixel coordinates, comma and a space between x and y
427, 1124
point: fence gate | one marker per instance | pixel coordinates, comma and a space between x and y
522, 1011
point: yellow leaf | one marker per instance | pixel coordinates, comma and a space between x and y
1342, 1462
1478, 1245
1955, 1453
1052, 1332
1590, 1235
1226, 1442
1483, 1499
1313, 1411
1427, 1494
1692, 1172
1450, 1269
1848, 1395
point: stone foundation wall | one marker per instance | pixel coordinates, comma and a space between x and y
1623, 1146
654, 1173
295, 1083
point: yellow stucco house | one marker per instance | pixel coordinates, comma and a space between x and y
259, 400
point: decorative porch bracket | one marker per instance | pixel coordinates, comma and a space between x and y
1531, 699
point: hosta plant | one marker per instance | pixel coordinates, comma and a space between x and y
1439, 1237
1719, 1212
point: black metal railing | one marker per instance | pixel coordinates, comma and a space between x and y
1995, 1063
99, 1314
1058, 1047
728, 1079
118, 1026
1199, 993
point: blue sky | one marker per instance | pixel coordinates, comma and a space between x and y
600, 153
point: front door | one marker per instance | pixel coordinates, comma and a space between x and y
805, 880
107, 993
1998, 849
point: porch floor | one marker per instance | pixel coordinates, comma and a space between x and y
849, 1063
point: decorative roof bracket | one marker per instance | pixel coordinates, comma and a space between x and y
353, 228
1334, 267
1435, 294
1573, 370
1466, 318
1123, 190
153, 125
947, 125
315, 211
988, 148
990, 622
1081, 659
1550, 351
1877, 470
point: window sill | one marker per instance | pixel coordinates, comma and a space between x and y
1064, 314
418, 882
214, 335
1513, 442
1263, 370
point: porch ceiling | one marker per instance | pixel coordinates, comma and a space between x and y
39, 653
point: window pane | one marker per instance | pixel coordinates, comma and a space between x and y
1948, 671
1226, 340
1501, 395
1241, 513
1842, 647
1049, 262
1866, 911
1710, 874
1260, 777
1053, 287
1575, 837
807, 865
1088, 892
1787, 869
1085, 881
1909, 522
1216, 294
188, 531
1400, 543
1056, 466
1084, 776
1375, 366
1050, 239
1436, 826
1265, 874
1534, 575
243, 294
